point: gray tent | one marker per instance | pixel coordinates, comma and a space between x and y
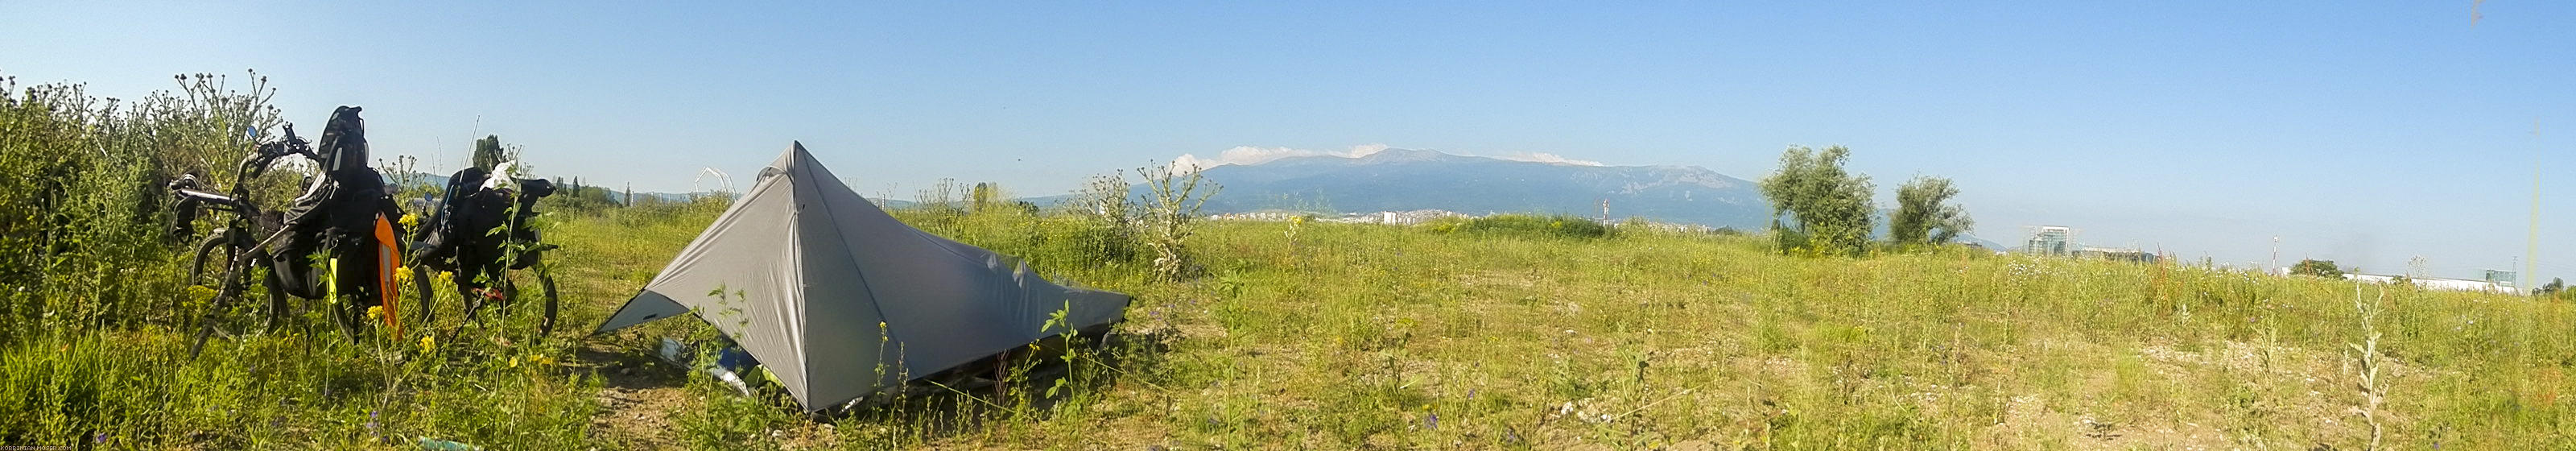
838, 299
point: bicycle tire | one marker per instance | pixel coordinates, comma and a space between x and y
197, 270
230, 288
275, 316
208, 322
426, 297
546, 283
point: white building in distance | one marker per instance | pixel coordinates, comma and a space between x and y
2437, 283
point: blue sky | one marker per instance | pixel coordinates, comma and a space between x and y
2365, 132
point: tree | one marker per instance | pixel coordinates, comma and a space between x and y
1924, 214
2319, 268
984, 197
2555, 286
1816, 206
488, 153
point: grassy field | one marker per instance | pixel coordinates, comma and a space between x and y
1333, 336
1363, 336
1525, 333
1495, 333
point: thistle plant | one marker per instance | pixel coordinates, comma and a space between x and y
2366, 355
1106, 201
1171, 214
1294, 225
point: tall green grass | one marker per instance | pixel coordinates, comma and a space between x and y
1519, 333
1359, 336
94, 311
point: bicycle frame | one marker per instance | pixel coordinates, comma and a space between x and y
245, 214
245, 222
522, 248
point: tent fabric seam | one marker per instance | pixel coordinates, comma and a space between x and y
875, 303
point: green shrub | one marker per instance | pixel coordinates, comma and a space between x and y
94, 311
82, 203
2317, 268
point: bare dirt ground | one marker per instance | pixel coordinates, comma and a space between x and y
636, 396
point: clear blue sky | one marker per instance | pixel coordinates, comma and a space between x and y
2364, 132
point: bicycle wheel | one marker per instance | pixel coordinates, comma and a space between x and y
217, 312
426, 297
224, 314
275, 315
212, 248
197, 271
546, 285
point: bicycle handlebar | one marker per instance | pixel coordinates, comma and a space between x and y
268, 153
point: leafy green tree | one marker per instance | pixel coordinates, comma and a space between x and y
2319, 268
1924, 214
1816, 206
984, 197
488, 153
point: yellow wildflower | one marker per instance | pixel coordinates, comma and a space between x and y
427, 342
376, 312
514, 361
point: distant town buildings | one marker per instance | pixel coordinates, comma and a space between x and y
1413, 217
2117, 254
2442, 284
2060, 241
1273, 215
1672, 227
2504, 278
2049, 240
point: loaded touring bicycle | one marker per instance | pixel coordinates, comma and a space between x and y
335, 243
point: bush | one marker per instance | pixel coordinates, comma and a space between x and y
2319, 268
1048, 240
82, 208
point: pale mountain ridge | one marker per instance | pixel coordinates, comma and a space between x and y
1410, 179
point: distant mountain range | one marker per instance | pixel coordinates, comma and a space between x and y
1404, 179
437, 180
